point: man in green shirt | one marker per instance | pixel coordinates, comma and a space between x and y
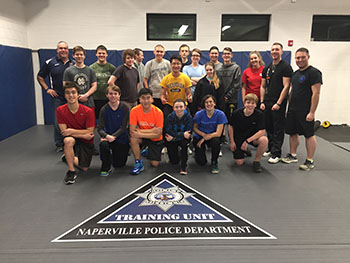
103, 71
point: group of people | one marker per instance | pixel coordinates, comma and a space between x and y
179, 106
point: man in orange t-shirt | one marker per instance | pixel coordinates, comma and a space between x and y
146, 127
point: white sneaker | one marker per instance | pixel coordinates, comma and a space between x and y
274, 159
220, 153
164, 150
266, 154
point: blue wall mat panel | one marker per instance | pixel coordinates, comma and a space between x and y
115, 57
17, 100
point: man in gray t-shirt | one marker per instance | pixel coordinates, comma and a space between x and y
155, 70
83, 76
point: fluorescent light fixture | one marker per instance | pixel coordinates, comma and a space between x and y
225, 28
182, 30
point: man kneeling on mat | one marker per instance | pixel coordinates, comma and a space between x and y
247, 126
77, 124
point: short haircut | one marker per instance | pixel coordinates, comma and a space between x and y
213, 47
114, 88
180, 100
145, 91
78, 48
184, 45
62, 41
137, 51
69, 85
175, 56
227, 49
101, 47
196, 50
303, 49
278, 43
128, 52
207, 97
251, 97
159, 45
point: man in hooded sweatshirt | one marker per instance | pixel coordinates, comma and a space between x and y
229, 75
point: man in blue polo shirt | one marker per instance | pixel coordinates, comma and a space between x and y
54, 68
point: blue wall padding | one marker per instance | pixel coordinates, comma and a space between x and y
115, 57
17, 100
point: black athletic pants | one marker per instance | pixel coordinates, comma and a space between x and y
275, 123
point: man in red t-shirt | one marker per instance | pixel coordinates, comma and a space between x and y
146, 127
77, 123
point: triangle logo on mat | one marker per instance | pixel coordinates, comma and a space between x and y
164, 208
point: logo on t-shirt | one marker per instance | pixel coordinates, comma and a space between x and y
81, 80
301, 79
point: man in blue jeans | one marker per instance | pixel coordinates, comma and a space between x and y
54, 68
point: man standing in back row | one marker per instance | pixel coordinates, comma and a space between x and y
273, 100
305, 94
54, 68
155, 70
103, 71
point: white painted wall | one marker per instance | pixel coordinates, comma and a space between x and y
121, 24
13, 27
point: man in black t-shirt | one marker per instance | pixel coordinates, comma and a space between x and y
304, 97
247, 126
126, 77
273, 93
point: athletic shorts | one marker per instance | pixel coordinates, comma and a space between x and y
84, 152
239, 153
154, 149
296, 124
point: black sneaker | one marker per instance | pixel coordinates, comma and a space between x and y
214, 169
59, 149
63, 158
289, 159
307, 166
257, 167
70, 177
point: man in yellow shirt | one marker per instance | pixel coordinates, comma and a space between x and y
175, 85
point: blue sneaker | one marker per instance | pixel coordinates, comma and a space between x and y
138, 168
144, 152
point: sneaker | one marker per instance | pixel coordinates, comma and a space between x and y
144, 152
289, 159
164, 150
257, 167
307, 166
190, 152
220, 153
106, 173
138, 168
274, 159
214, 169
247, 153
183, 171
70, 177
59, 149
63, 158
266, 154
